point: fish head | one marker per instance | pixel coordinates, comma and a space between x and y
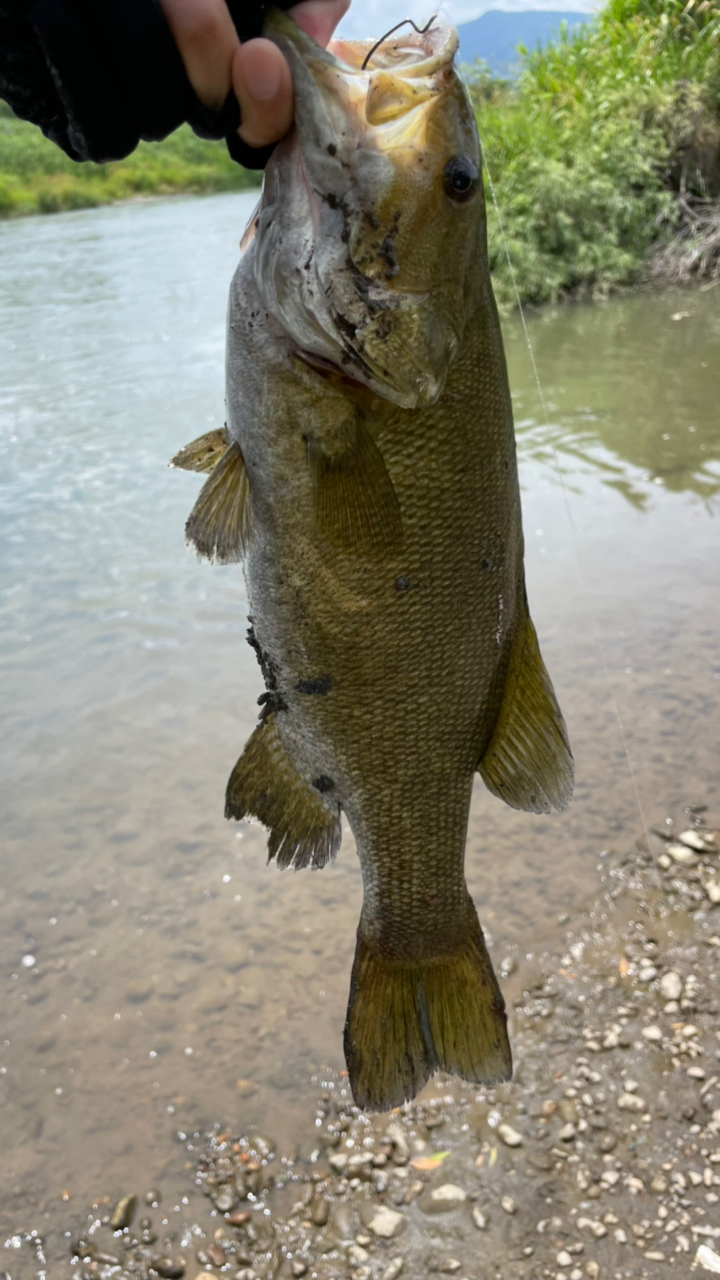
370, 244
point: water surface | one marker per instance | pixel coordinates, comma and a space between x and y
156, 975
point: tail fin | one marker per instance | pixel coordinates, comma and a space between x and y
407, 1019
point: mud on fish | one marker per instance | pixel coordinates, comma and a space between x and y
367, 480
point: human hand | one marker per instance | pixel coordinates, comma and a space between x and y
259, 75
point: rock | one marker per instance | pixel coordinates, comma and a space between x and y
598, 1229
338, 1161
708, 1259
647, 973
698, 841
124, 1213
564, 1259
357, 1254
299, 1268
479, 1219
450, 1266
396, 1135
630, 1102
320, 1212
225, 1199
671, 985
568, 1133
168, 1268
239, 1218
508, 1205
449, 1194
393, 1269
712, 889
509, 1136
680, 853
652, 1033
386, 1222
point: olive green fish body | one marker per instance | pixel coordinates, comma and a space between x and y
368, 480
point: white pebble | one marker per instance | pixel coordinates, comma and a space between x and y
648, 973
671, 985
28, 962
712, 889
630, 1102
448, 1192
567, 1133
508, 1204
708, 1259
652, 1033
479, 1219
509, 1136
386, 1222
697, 840
564, 1259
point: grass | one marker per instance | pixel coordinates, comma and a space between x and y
37, 177
604, 155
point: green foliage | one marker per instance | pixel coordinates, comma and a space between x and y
37, 177
592, 152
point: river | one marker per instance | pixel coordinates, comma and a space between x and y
157, 976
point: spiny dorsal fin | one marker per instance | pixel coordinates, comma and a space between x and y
204, 453
303, 820
407, 1019
529, 763
220, 522
356, 505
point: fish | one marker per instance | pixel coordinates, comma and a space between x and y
367, 481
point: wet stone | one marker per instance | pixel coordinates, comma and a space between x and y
168, 1268
320, 1212
393, 1269
386, 1223
124, 1213
509, 1136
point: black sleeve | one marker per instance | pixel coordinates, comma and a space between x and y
99, 75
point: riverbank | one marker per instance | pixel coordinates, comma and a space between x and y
602, 1158
37, 177
604, 156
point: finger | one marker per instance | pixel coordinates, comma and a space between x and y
263, 86
207, 42
319, 18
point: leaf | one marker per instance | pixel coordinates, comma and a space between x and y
429, 1162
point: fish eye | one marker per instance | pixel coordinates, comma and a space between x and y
460, 179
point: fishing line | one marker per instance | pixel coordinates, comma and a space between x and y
558, 471
405, 22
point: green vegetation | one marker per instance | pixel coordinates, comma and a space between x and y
605, 154
37, 177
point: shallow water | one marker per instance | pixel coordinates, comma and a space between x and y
156, 975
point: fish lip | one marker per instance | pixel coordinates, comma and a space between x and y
438, 42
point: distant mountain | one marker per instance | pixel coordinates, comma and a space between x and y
494, 36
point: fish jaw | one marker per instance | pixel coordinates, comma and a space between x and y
358, 253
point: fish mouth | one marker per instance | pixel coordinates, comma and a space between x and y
335, 261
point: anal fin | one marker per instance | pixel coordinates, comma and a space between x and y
204, 453
220, 522
528, 762
407, 1019
303, 821
356, 505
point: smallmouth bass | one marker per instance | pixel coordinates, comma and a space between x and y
367, 479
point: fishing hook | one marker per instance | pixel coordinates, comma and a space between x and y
420, 30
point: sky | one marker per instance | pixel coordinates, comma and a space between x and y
372, 17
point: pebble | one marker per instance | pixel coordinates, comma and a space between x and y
124, 1213
450, 1266
448, 1193
320, 1212
708, 1259
479, 1219
564, 1259
671, 985
338, 1161
712, 889
509, 1136
698, 841
647, 973
225, 1199
168, 1268
387, 1222
630, 1102
680, 853
508, 1205
652, 1033
567, 1133
392, 1271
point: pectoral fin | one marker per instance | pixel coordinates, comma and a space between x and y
204, 453
303, 820
356, 505
529, 763
219, 523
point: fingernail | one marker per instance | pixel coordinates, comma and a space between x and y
262, 79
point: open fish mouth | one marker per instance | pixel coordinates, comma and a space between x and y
336, 245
